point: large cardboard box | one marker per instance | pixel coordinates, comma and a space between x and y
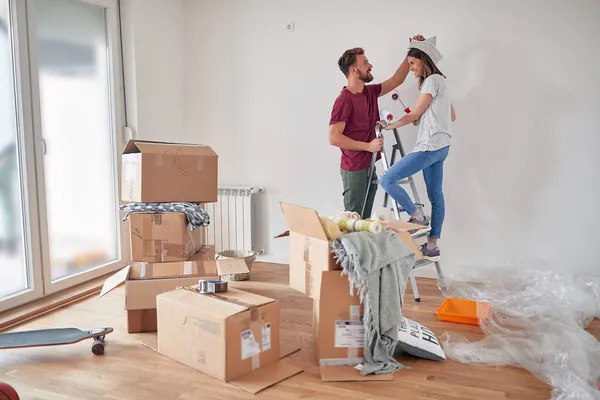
231, 336
141, 321
169, 172
310, 248
141, 294
339, 330
162, 237
200, 264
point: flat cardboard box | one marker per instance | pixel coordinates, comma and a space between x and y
200, 264
339, 331
164, 172
141, 294
231, 336
310, 249
162, 237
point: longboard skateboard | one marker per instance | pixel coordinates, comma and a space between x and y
54, 337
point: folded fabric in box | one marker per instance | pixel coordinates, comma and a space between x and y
196, 216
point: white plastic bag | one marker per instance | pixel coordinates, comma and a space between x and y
537, 321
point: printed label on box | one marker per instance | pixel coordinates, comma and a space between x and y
266, 337
349, 334
250, 346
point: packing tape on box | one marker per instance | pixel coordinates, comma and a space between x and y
143, 272
307, 267
354, 316
256, 337
187, 267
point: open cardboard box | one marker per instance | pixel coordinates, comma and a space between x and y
231, 336
310, 248
163, 172
141, 294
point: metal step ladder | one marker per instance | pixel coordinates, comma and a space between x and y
396, 208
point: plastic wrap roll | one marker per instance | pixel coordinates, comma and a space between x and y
356, 225
332, 230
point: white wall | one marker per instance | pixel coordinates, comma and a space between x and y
521, 179
152, 35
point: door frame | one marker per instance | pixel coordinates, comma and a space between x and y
117, 97
27, 166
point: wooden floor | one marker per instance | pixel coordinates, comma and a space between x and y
129, 370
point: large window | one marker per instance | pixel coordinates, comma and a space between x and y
61, 119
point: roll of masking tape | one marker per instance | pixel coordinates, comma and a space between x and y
210, 286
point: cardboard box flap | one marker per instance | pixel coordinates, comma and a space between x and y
115, 280
221, 305
303, 220
227, 266
347, 373
156, 147
266, 376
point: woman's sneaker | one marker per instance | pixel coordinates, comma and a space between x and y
431, 254
426, 227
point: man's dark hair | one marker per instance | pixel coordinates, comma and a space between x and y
348, 59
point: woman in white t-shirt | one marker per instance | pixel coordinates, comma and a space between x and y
433, 114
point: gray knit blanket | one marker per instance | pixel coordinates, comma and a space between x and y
378, 266
196, 216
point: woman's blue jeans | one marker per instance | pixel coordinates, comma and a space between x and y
432, 165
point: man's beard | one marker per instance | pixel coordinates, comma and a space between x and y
366, 78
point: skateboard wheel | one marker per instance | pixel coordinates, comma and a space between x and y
98, 347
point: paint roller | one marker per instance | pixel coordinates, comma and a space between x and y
386, 115
396, 97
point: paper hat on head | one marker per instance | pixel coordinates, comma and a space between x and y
427, 47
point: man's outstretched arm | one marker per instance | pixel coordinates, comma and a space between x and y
396, 80
400, 76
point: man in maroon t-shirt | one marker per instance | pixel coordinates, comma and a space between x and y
352, 125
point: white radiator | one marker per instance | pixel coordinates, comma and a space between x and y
231, 219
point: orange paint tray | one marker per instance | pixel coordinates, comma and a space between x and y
461, 311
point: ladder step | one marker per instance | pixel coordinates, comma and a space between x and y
422, 263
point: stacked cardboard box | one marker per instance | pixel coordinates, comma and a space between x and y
337, 312
165, 254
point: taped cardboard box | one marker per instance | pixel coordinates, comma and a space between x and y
164, 172
200, 264
141, 294
231, 336
310, 249
141, 321
162, 237
339, 331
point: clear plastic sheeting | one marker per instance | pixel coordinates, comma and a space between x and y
537, 321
